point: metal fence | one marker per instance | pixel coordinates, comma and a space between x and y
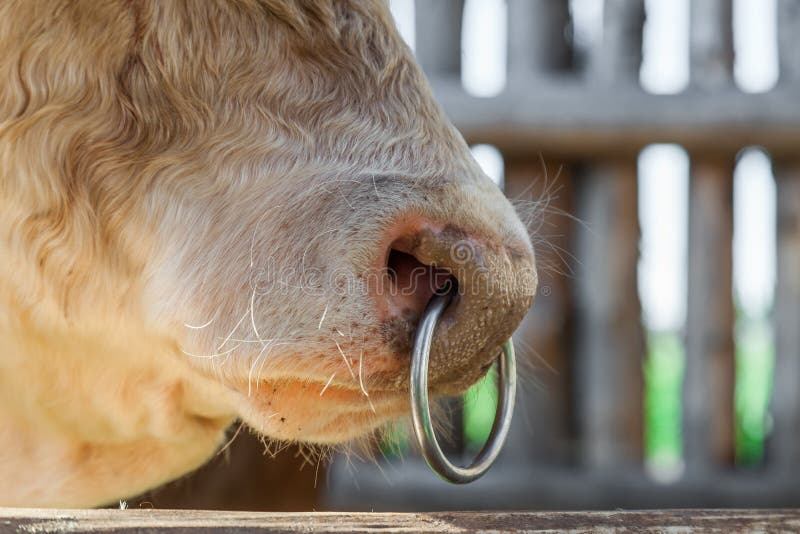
578, 442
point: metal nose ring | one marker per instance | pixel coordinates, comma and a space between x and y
421, 413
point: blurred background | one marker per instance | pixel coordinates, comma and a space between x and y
651, 146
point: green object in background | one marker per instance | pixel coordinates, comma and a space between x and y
394, 441
663, 374
755, 362
663, 380
480, 405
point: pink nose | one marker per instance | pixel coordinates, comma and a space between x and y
493, 284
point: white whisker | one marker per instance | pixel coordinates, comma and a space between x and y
360, 376
210, 356
193, 327
232, 331
375, 185
328, 383
346, 361
252, 316
323, 317
230, 441
263, 361
253, 366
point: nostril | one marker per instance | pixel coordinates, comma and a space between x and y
401, 265
412, 283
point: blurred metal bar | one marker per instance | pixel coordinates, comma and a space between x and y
789, 40
711, 44
438, 36
618, 58
783, 444
609, 338
571, 120
708, 435
538, 39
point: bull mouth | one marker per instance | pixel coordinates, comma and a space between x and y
321, 398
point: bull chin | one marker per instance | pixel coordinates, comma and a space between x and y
294, 410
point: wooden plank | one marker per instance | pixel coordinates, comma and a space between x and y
570, 119
609, 337
438, 34
537, 39
784, 445
619, 57
44, 521
711, 44
789, 40
709, 373
544, 434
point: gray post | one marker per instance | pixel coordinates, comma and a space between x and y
709, 372
789, 40
784, 446
708, 413
438, 34
540, 47
609, 339
538, 39
544, 426
609, 336
619, 56
711, 44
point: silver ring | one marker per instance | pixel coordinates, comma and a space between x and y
421, 413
